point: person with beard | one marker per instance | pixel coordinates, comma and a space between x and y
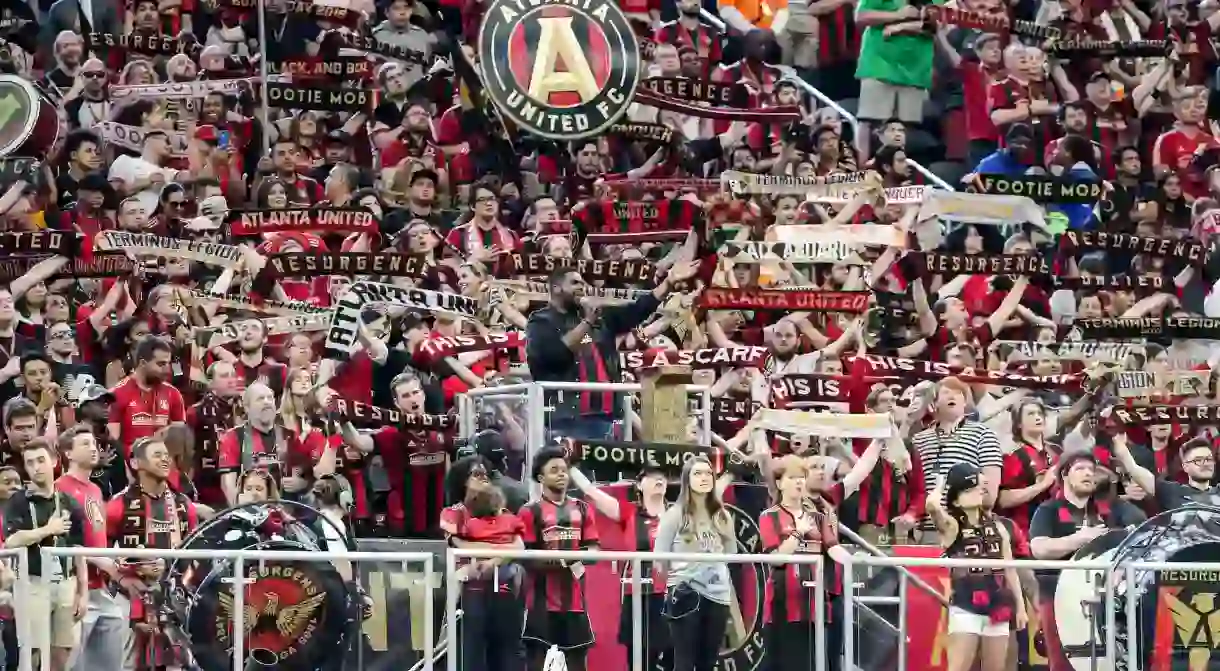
689, 29
411, 134
262, 442
81, 156
88, 104
143, 402
283, 164
1198, 464
102, 629
69, 47
148, 514
252, 364
555, 593
415, 461
418, 209
390, 118
491, 588
92, 410
982, 600
570, 341
142, 178
1065, 524
1014, 158
209, 419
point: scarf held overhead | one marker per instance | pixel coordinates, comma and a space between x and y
290, 96
146, 244
365, 415
751, 252
265, 306
101, 265
716, 298
883, 368
830, 425
38, 242
348, 264
977, 208
134, 137
435, 349
345, 319
712, 357
738, 184
314, 219
616, 461
1184, 250
1041, 188
811, 391
1151, 415
1130, 328
632, 270
224, 334
765, 115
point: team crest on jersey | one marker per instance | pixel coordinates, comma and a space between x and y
559, 69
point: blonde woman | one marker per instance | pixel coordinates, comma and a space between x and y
309, 454
699, 594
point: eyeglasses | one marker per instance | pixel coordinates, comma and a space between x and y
485, 199
93, 74
1202, 461
60, 335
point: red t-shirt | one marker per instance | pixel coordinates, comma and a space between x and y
1175, 149
89, 496
301, 453
142, 412
976, 83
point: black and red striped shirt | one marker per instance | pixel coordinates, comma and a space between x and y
885, 494
566, 525
640, 535
790, 593
838, 39
1022, 467
416, 462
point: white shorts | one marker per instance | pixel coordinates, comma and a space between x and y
962, 621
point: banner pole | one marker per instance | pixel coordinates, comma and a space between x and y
262, 70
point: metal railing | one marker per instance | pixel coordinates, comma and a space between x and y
637, 608
537, 406
827, 101
238, 571
21, 597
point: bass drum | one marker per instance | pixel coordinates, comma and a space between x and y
1174, 609
1079, 605
297, 615
29, 123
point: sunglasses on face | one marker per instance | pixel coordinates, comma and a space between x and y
93, 74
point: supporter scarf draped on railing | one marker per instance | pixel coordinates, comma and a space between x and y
312, 219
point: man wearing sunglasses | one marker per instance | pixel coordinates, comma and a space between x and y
93, 104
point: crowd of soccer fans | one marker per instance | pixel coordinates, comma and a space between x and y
178, 379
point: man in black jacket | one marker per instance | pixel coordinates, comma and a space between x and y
571, 340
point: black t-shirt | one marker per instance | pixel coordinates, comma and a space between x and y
1060, 518
1171, 495
17, 517
66, 374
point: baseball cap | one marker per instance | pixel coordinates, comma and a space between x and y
93, 392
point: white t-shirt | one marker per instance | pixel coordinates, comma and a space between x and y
334, 532
130, 169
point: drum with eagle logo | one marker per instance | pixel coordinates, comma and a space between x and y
1177, 623
296, 615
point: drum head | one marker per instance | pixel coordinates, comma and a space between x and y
1176, 606
297, 614
1079, 601
29, 124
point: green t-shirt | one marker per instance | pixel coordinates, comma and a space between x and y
904, 60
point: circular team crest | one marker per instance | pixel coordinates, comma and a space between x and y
559, 69
19, 113
743, 645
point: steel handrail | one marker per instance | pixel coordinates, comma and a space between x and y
877, 552
827, 101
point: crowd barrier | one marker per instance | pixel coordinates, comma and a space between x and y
536, 408
1153, 615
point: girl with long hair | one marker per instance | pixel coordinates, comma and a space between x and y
982, 600
699, 593
1028, 474
121, 343
639, 520
491, 596
301, 415
798, 526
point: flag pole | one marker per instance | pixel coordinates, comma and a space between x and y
262, 69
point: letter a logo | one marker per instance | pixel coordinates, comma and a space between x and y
558, 69
558, 41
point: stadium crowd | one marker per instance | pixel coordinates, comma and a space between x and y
264, 253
